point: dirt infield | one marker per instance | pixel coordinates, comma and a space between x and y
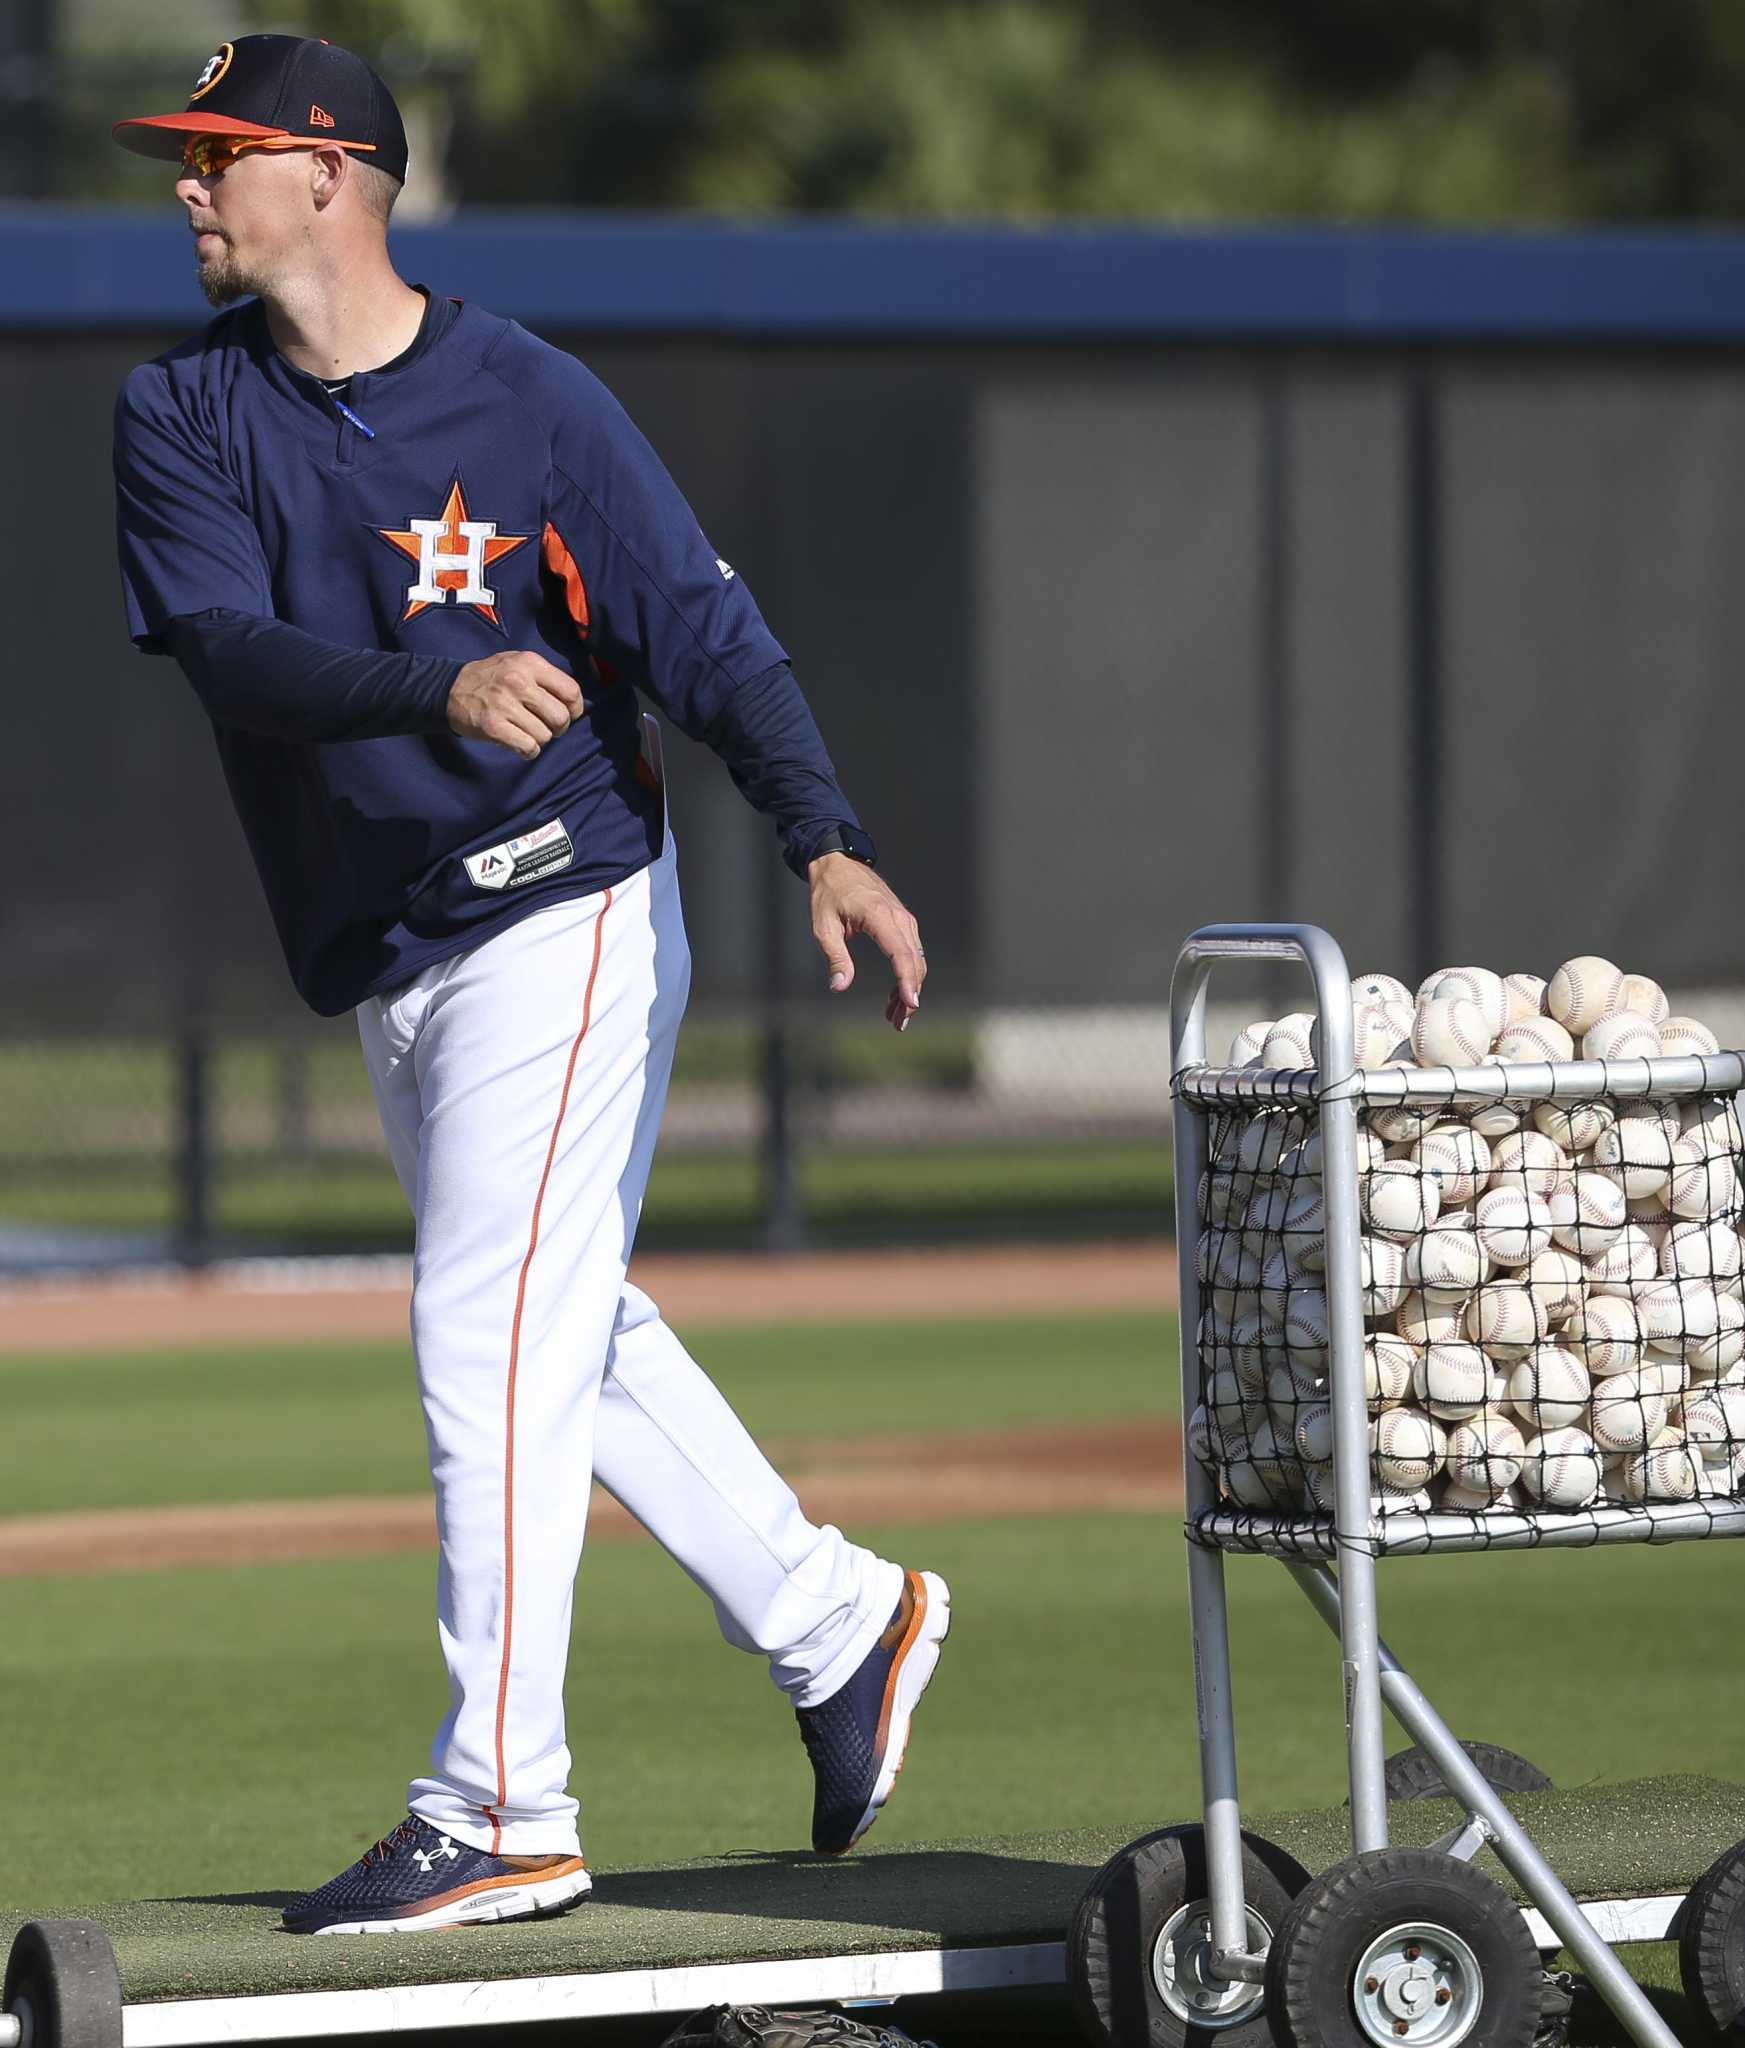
910, 1478
284, 1303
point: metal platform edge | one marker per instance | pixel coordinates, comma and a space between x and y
802, 1980
795, 1980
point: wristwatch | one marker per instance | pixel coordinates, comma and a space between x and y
848, 839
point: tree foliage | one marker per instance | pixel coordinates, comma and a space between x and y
1171, 110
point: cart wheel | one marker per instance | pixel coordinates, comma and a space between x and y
1415, 1774
62, 1986
1711, 1942
1140, 1940
1403, 1946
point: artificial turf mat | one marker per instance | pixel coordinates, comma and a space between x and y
1642, 1838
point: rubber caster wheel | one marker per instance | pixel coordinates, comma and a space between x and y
1403, 1948
1711, 1941
1140, 1941
62, 1986
1415, 1774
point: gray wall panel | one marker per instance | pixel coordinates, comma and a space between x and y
1596, 624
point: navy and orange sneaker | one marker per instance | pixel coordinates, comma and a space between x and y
857, 1738
419, 1877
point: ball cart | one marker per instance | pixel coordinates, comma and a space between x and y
1206, 1933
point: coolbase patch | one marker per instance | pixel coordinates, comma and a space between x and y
522, 860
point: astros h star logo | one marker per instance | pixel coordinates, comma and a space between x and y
453, 553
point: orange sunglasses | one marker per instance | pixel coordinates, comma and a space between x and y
207, 156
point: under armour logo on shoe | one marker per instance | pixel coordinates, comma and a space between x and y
426, 1859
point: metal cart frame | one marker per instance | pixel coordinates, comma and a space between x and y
1346, 1601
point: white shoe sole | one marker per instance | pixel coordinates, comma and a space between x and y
481, 1909
913, 1674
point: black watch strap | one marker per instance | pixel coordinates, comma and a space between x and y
848, 839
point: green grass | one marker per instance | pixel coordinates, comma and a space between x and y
157, 1711
311, 1422
233, 1729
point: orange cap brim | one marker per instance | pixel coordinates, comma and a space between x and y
163, 135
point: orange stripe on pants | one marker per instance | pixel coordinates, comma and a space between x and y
514, 1364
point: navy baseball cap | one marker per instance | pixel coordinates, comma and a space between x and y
267, 87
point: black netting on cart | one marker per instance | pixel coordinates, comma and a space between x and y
1553, 1298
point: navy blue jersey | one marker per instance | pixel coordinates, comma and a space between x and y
504, 501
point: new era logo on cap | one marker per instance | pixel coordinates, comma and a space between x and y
274, 87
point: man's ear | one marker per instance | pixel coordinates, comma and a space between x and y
328, 171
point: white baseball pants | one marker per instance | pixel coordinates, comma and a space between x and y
521, 1087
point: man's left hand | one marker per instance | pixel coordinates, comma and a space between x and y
849, 897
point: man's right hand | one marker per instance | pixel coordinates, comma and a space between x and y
519, 700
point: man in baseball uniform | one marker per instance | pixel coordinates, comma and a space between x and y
418, 566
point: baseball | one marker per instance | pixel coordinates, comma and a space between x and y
1247, 1485
1485, 1455
1446, 1263
1514, 1227
1263, 1143
1429, 1319
1683, 1038
1314, 1434
1702, 1251
1526, 996
1387, 1370
1702, 1424
1702, 1186
1397, 1123
1407, 1448
1561, 1468
1530, 1161
1626, 1416
1382, 989
1384, 1276
1290, 1042
1458, 1159
1496, 1118
1638, 1152
1626, 1265
1477, 1500
1666, 1472
1714, 1122
1397, 1200
1506, 1320
1645, 996
1450, 1031
1245, 1047
1557, 1281
1582, 991
1605, 1334
1587, 1211
1661, 1372
1306, 1159
1304, 1229
1377, 1040
1622, 1036
1710, 1357
1573, 1126
1535, 1041
1678, 1312
1305, 1327
1480, 987
1452, 1380
1549, 1388
1654, 1213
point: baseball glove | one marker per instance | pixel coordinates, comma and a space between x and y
756, 2026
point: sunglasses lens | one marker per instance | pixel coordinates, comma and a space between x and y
205, 156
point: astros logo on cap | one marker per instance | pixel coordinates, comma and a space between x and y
216, 66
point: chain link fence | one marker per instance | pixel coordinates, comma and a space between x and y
785, 1128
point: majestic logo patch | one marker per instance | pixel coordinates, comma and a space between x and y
215, 68
522, 860
452, 551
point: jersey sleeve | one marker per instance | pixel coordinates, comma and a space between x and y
650, 595
185, 539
